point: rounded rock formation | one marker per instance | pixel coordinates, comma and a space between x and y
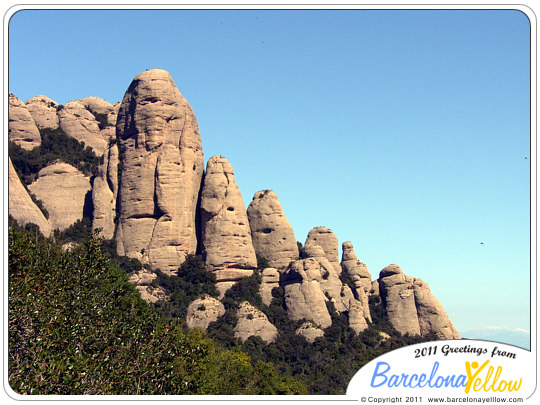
411, 307
272, 235
43, 111
22, 128
64, 192
79, 123
325, 238
252, 322
202, 311
309, 331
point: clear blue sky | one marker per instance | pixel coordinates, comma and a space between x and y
405, 132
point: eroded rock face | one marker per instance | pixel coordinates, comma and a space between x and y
104, 193
270, 280
309, 331
272, 235
411, 307
431, 315
21, 207
339, 294
162, 159
22, 128
43, 111
326, 239
330, 283
203, 311
64, 192
303, 293
252, 322
359, 274
225, 233
105, 113
79, 123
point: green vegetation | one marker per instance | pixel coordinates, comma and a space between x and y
55, 145
101, 118
77, 326
191, 281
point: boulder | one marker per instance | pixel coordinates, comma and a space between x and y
20, 204
252, 322
162, 166
64, 192
325, 238
202, 311
43, 111
303, 293
79, 123
22, 128
270, 280
310, 331
104, 193
272, 235
225, 234
143, 283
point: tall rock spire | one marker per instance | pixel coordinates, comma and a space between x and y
225, 233
162, 165
273, 236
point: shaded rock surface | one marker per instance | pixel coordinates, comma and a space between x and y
162, 160
21, 206
104, 193
411, 307
309, 331
43, 111
272, 235
64, 192
202, 311
252, 322
22, 128
79, 123
226, 237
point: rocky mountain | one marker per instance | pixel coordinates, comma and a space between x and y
151, 196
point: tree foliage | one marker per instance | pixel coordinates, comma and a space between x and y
77, 326
55, 145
